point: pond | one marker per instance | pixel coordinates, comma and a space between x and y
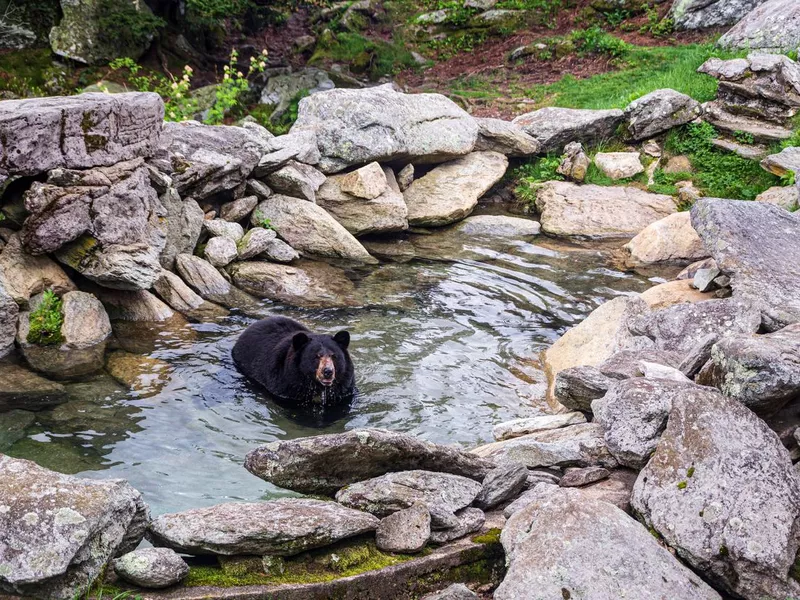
447, 346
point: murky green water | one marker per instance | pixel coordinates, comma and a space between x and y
448, 348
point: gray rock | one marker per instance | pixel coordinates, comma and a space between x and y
771, 26
386, 494
323, 464
554, 127
13, 427
726, 120
520, 427
209, 284
259, 189
690, 271
220, 251
498, 226
450, 192
281, 90
576, 387
185, 221
701, 14
85, 331
356, 127
180, 297
496, 135
784, 162
704, 279
577, 445
760, 371
788, 198
151, 568
470, 520
280, 252
457, 591
222, 228
60, 531
657, 371
619, 165
23, 389
721, 490
78, 132
405, 531
299, 145
405, 177
255, 241
659, 111
575, 163
308, 229
296, 179
367, 183
9, 314
598, 212
597, 551
670, 240
238, 210
279, 527
502, 484
582, 477
628, 363
25, 275
753, 244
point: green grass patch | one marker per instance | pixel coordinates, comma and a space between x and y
46, 321
375, 58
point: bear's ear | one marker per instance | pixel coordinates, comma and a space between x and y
300, 340
343, 339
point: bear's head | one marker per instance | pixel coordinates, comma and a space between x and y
322, 358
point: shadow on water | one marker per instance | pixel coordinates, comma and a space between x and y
447, 346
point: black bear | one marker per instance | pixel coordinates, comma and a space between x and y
294, 364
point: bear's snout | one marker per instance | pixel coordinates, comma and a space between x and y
326, 371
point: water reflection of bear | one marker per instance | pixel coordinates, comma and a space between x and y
300, 369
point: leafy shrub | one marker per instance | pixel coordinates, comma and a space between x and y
46, 321
596, 41
531, 175
178, 103
234, 83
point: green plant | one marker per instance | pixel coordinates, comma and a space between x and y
234, 83
596, 41
656, 26
45, 321
261, 221
374, 58
743, 137
122, 25
530, 176
178, 102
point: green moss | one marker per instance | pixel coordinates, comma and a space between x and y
489, 537
374, 58
46, 321
123, 26
690, 472
25, 72
682, 485
92, 141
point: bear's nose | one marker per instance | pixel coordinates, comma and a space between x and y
327, 372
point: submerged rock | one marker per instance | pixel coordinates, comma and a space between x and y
279, 527
20, 388
152, 568
324, 464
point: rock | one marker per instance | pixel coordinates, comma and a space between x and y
143, 375
689, 272
60, 531
582, 477
180, 297
784, 162
308, 229
577, 445
457, 591
619, 165
78, 132
139, 306
699, 14
404, 531
615, 490
383, 213
322, 465
24, 275
520, 427
307, 283
498, 226
9, 313
652, 370
754, 152
760, 371
670, 293
220, 251
258, 189
204, 160
575, 163
256, 241
280, 252
282, 527
704, 279
788, 198
759, 261
281, 90
209, 284
502, 484
355, 127
297, 180
470, 520
151, 568
598, 212
300, 146
226, 229
554, 127
671, 240
721, 489
15, 422
576, 387
238, 209
772, 26
23, 389
496, 135
596, 552
659, 111
721, 117
185, 221
450, 192
405, 177
84, 333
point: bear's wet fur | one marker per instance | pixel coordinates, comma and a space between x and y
294, 364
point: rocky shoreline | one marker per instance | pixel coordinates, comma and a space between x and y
667, 459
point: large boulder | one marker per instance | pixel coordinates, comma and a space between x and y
59, 531
598, 212
721, 490
671, 240
77, 132
506, 138
701, 14
106, 223
279, 527
498, 226
25, 275
355, 127
365, 201
659, 111
323, 464
553, 128
755, 244
596, 551
773, 26
450, 192
308, 229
